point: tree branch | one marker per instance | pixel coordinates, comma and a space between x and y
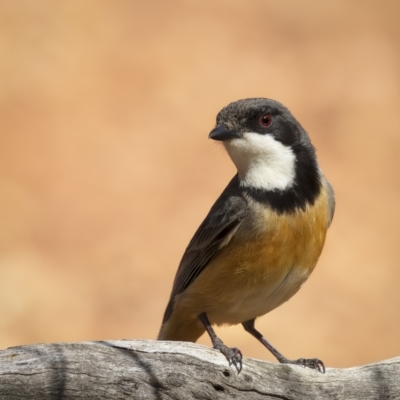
176, 370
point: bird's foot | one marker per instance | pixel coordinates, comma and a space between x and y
313, 363
232, 354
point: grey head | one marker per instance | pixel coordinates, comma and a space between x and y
264, 141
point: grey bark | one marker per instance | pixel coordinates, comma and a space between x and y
176, 370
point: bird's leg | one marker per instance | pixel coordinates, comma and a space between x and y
313, 363
232, 354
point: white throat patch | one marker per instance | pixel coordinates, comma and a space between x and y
262, 162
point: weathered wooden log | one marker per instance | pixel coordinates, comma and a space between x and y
144, 369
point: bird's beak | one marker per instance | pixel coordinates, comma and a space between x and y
221, 134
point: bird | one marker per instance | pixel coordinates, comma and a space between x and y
262, 237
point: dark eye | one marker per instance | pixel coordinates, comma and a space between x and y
265, 120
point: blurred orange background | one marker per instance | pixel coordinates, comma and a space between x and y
106, 170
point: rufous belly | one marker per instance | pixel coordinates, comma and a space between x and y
263, 265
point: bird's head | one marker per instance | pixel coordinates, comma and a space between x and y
264, 141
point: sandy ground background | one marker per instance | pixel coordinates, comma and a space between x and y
106, 169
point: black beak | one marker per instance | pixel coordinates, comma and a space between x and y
221, 133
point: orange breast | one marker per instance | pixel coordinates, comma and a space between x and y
264, 264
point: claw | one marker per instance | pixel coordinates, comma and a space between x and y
232, 354
234, 357
313, 363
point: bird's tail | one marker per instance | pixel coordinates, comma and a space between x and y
176, 328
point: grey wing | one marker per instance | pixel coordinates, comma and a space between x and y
215, 232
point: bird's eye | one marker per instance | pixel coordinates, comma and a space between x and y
265, 120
